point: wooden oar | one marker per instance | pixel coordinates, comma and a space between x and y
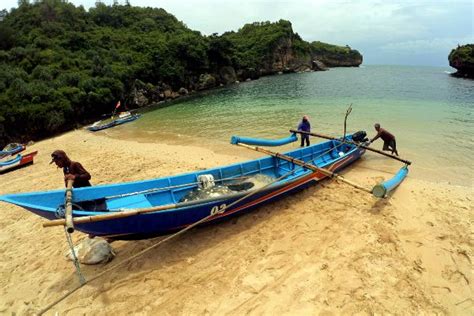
309, 166
68, 203
353, 143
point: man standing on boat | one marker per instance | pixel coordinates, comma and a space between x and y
304, 126
72, 170
389, 142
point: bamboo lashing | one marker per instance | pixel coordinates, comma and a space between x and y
309, 166
68, 204
353, 143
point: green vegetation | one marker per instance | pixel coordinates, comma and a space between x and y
254, 44
62, 66
462, 58
333, 55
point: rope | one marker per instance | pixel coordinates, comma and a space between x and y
45, 309
82, 280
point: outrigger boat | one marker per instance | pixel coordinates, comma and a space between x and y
11, 149
142, 209
160, 206
17, 162
124, 117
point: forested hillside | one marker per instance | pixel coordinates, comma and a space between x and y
462, 58
62, 66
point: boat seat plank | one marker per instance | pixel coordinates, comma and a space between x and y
134, 201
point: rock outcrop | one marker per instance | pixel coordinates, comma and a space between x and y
462, 58
335, 56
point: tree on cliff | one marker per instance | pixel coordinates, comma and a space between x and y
462, 58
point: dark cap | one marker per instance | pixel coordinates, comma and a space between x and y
56, 155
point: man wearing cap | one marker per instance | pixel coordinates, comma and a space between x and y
389, 142
72, 170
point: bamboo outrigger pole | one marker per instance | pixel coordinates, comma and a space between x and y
352, 143
118, 214
68, 215
309, 166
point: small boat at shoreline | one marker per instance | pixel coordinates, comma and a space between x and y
143, 209
11, 149
16, 162
123, 117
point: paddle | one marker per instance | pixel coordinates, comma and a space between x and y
303, 164
353, 143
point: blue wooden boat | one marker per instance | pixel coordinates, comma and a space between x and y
12, 149
127, 197
104, 124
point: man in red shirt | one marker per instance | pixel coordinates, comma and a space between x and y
389, 142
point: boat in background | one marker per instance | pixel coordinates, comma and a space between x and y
169, 204
11, 149
123, 117
16, 162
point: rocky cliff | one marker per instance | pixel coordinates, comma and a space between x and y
260, 49
335, 56
462, 58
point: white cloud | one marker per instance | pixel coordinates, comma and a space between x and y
390, 26
418, 46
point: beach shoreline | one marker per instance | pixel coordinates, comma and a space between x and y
329, 249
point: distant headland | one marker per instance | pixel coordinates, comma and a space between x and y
62, 66
462, 58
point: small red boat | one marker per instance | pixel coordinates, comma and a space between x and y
17, 162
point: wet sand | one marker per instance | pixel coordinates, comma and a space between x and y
328, 250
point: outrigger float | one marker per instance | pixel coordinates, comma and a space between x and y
142, 209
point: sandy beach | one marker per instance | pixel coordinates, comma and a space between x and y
328, 250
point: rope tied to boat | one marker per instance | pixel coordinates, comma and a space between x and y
182, 231
44, 310
82, 280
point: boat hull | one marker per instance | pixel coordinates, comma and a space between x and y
167, 221
116, 122
17, 162
17, 148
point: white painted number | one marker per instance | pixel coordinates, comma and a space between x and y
218, 209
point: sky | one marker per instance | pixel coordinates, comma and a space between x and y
389, 32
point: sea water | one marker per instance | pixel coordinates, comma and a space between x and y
429, 112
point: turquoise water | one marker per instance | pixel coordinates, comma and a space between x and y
429, 112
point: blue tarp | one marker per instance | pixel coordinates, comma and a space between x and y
263, 142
